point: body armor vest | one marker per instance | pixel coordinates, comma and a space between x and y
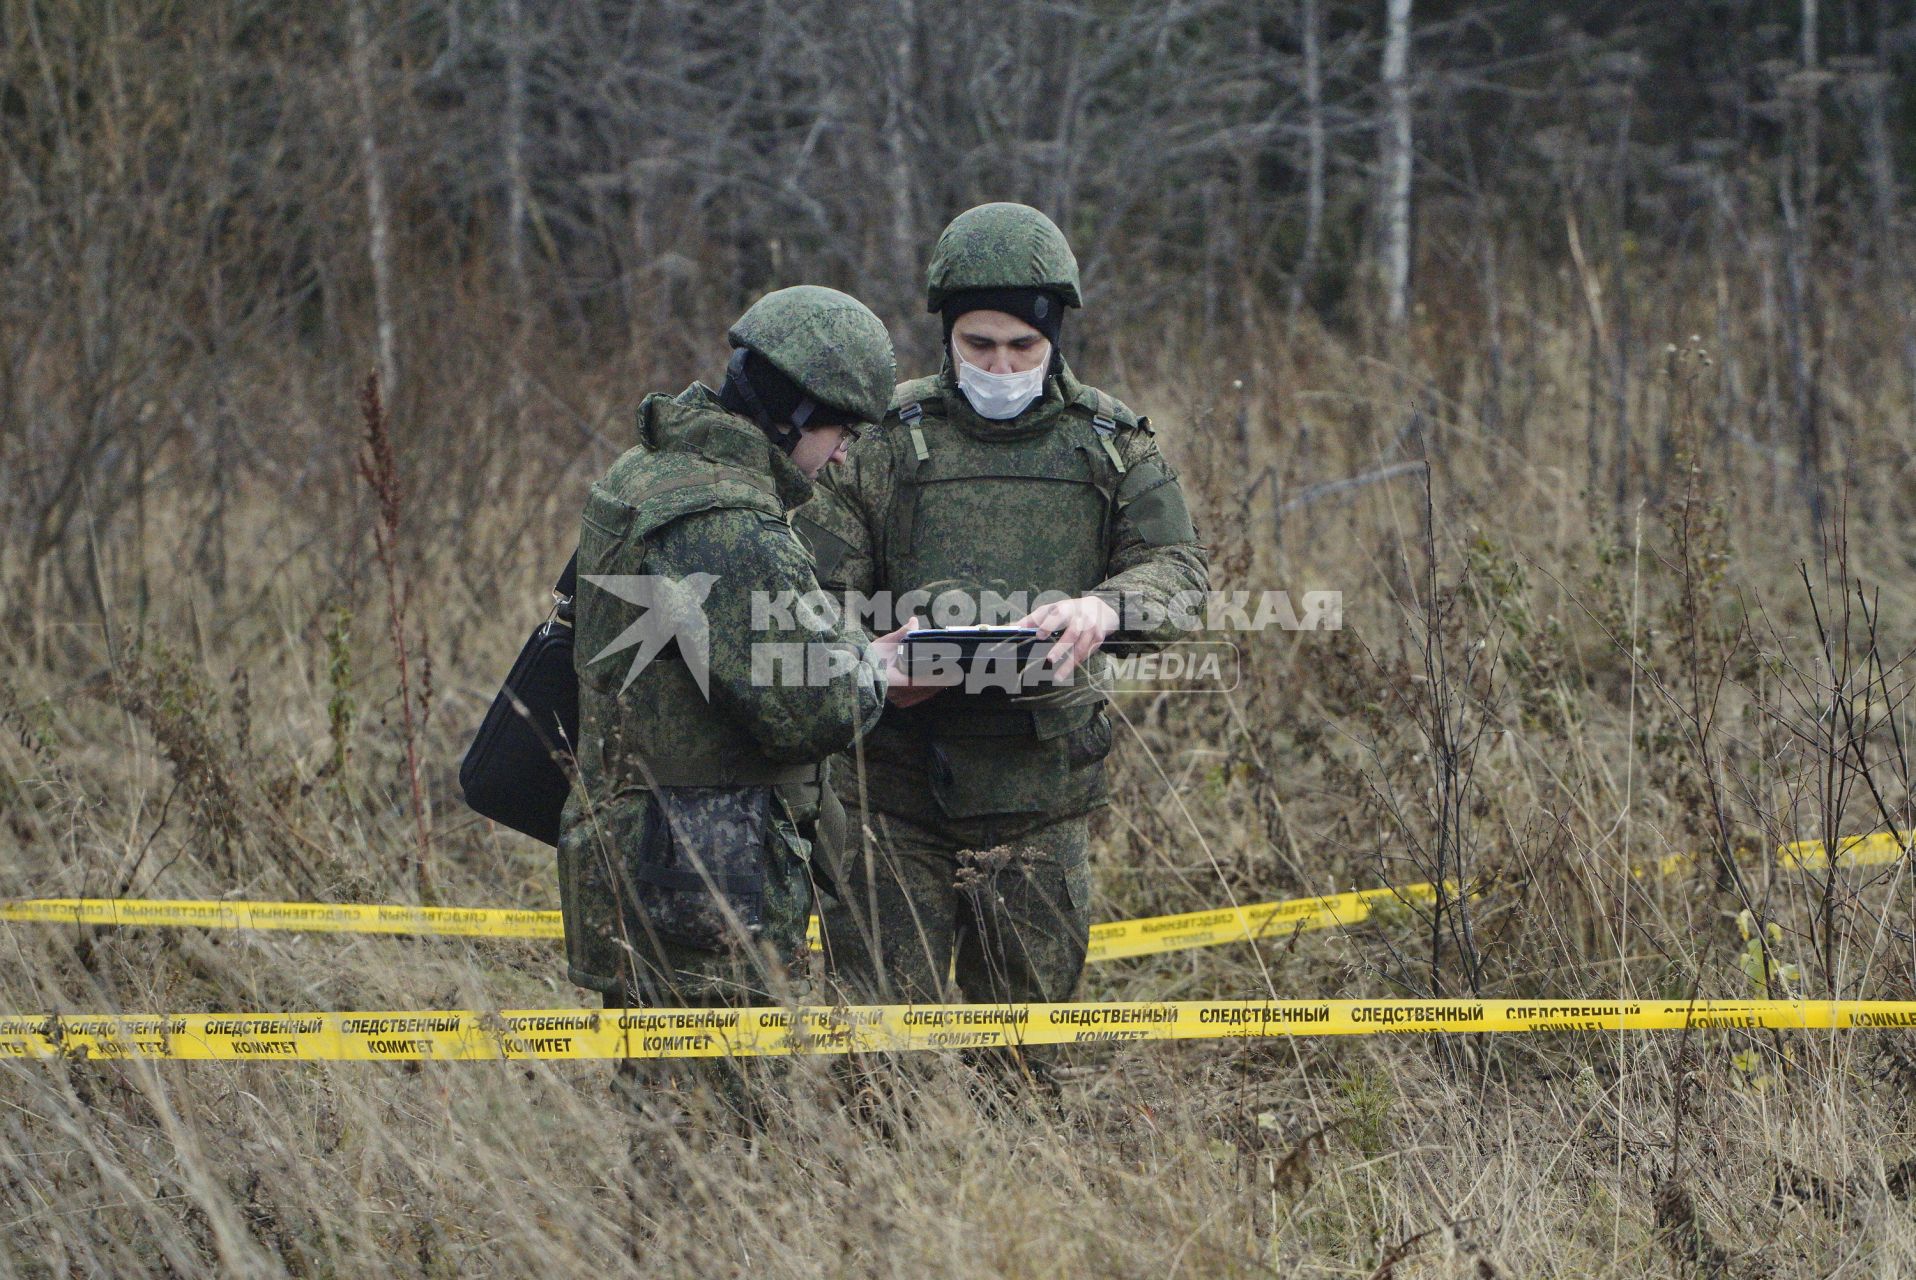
1026, 515
1007, 509
1012, 509
660, 730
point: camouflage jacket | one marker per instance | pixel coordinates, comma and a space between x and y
685, 554
1071, 496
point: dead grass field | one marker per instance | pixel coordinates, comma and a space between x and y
1536, 688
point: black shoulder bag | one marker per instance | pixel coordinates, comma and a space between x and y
519, 768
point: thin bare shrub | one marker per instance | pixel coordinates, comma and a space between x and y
379, 468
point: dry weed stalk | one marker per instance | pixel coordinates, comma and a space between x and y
379, 468
164, 693
1851, 709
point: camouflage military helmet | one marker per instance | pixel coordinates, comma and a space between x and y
827, 342
1001, 246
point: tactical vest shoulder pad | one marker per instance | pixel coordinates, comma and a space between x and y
724, 495
919, 391
671, 492
1108, 407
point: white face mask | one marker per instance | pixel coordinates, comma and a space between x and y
999, 396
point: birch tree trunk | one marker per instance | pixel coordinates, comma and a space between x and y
1884, 186
1396, 166
1810, 103
378, 220
1314, 164
1799, 233
516, 195
903, 229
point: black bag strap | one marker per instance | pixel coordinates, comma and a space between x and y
562, 594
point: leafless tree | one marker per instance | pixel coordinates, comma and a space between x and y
1395, 160
378, 219
1310, 32
188, 193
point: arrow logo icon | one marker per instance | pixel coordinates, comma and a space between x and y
674, 610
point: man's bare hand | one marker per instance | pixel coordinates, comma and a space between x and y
887, 651
1081, 625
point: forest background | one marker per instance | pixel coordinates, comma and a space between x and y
1572, 342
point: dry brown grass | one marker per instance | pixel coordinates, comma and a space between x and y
1535, 689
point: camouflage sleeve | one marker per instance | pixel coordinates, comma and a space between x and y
796, 676
1156, 556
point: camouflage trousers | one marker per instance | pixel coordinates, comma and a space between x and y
1002, 906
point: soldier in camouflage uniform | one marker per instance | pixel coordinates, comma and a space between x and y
968, 836
683, 872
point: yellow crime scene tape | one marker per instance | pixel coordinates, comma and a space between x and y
1115, 940
1122, 939
1118, 939
299, 917
454, 1036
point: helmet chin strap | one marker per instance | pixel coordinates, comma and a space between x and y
785, 437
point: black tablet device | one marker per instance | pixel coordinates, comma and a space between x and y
988, 657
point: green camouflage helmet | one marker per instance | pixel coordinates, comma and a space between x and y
1001, 246
828, 342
